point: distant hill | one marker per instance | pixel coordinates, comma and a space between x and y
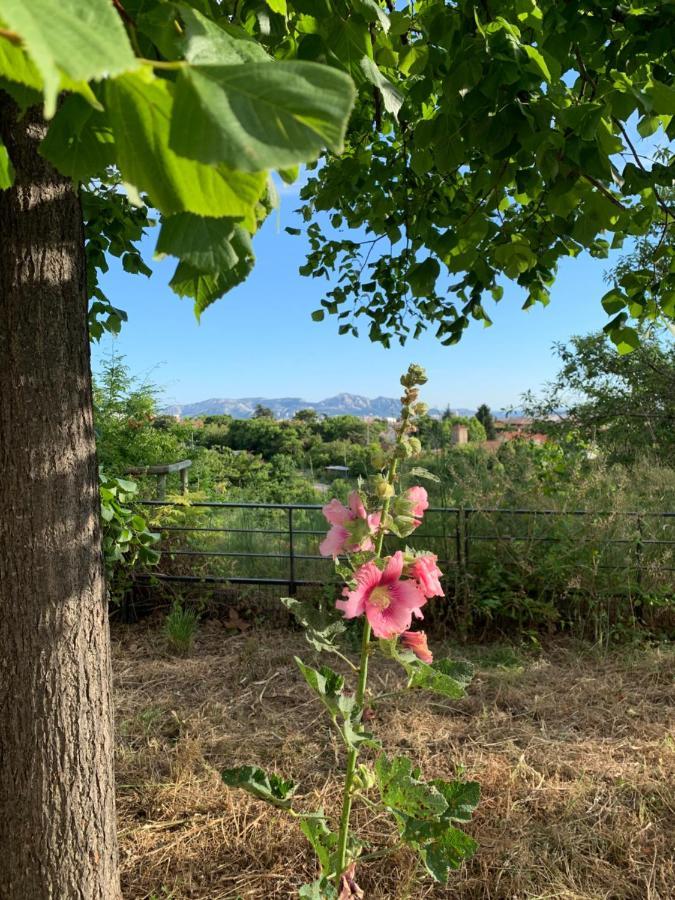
286, 407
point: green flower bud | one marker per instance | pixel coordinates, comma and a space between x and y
382, 487
403, 450
414, 375
378, 459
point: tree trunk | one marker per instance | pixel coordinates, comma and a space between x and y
57, 809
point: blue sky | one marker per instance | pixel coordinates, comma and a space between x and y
260, 340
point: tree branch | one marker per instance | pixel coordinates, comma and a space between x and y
603, 190
664, 206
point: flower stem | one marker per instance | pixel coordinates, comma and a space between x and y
343, 835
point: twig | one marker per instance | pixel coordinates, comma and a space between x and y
10, 36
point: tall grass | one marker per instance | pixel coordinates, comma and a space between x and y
544, 567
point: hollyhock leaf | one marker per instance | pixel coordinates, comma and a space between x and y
442, 677
315, 828
404, 793
462, 798
321, 889
421, 472
355, 737
447, 852
325, 683
322, 625
269, 787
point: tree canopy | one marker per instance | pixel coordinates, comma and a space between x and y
460, 143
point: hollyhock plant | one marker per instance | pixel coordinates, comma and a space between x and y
352, 528
387, 600
426, 573
417, 642
385, 591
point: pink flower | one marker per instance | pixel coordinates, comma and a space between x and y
419, 499
352, 528
387, 601
417, 642
427, 575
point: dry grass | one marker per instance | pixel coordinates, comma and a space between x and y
575, 754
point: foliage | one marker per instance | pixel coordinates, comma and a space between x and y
180, 628
509, 147
485, 142
127, 541
624, 406
386, 592
177, 103
486, 419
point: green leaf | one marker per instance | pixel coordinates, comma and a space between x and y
422, 277
259, 116
403, 792
201, 241
515, 258
79, 142
16, 65
626, 339
207, 42
278, 6
614, 301
321, 889
83, 40
207, 287
447, 852
462, 798
6, 168
325, 683
322, 626
537, 62
442, 677
140, 108
391, 96
260, 784
421, 472
323, 840
662, 97
373, 12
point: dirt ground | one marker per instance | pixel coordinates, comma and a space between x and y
574, 751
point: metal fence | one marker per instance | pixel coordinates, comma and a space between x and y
277, 543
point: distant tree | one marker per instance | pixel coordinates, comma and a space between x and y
624, 404
306, 415
262, 412
448, 414
485, 417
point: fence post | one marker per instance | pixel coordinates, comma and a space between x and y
467, 513
291, 555
638, 551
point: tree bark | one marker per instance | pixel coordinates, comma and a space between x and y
57, 810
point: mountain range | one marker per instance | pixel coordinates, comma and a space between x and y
286, 407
